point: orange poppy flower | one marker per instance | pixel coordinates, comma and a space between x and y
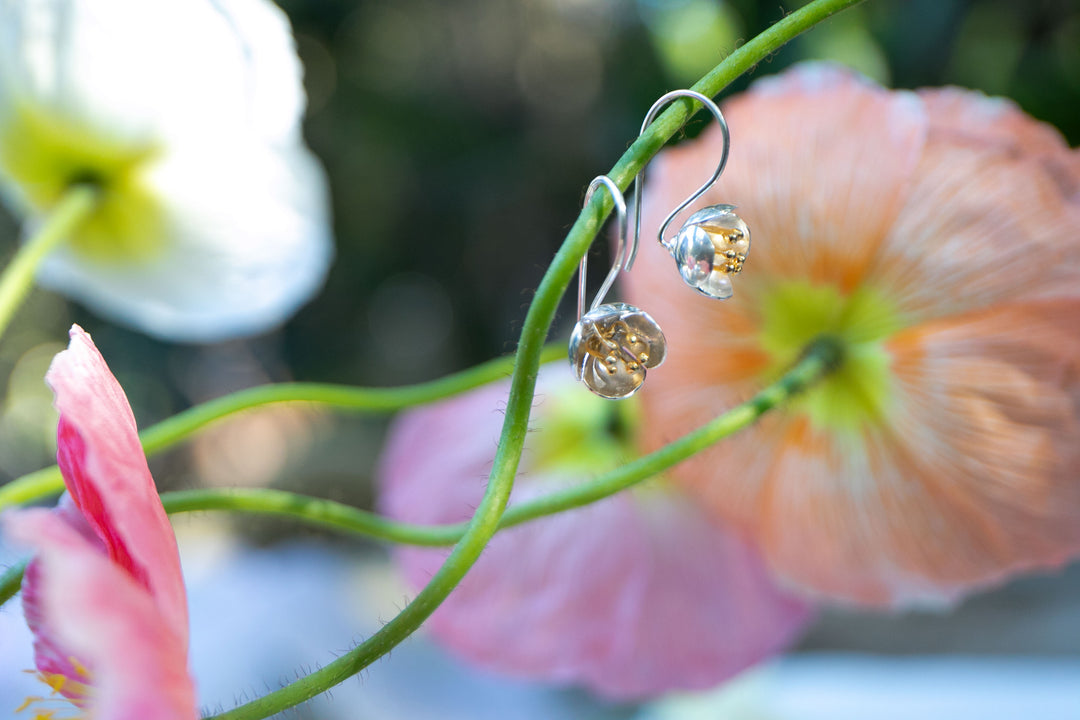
937, 234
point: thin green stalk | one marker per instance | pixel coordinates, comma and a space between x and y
817, 361
38, 485
47, 482
319, 512
17, 278
343, 397
820, 357
522, 385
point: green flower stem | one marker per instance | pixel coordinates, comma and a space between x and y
47, 482
740, 61
343, 397
820, 357
17, 278
11, 581
319, 512
488, 514
38, 485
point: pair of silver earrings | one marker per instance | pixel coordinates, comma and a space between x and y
613, 344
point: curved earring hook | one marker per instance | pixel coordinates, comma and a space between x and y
620, 208
613, 344
640, 179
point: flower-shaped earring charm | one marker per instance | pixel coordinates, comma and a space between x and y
612, 345
710, 248
714, 242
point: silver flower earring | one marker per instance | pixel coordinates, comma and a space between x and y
612, 345
713, 243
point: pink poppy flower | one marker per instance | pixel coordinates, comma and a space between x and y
104, 595
631, 596
937, 234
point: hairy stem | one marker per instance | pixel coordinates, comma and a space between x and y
820, 357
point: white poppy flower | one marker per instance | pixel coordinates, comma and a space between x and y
213, 219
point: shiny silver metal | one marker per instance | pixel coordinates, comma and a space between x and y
620, 250
711, 247
612, 345
714, 242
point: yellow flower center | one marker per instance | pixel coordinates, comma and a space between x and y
46, 153
67, 699
857, 393
582, 432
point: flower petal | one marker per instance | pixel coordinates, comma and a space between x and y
173, 70
993, 215
50, 656
632, 596
967, 475
969, 115
249, 242
105, 470
119, 642
972, 480
992, 422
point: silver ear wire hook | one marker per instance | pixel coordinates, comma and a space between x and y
714, 242
612, 345
620, 209
639, 182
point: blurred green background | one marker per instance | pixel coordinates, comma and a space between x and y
459, 138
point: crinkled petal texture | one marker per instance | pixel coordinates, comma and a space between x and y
632, 596
213, 220
104, 595
961, 216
